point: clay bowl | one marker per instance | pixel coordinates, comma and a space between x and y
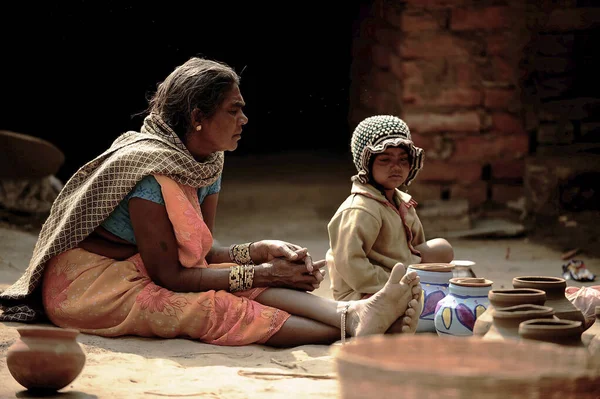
506, 297
562, 332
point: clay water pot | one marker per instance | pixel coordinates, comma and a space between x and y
556, 331
554, 287
45, 358
504, 299
507, 320
457, 312
593, 331
434, 281
422, 366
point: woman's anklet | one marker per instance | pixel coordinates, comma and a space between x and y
343, 324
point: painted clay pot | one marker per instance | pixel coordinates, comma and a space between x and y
457, 312
434, 281
593, 331
504, 299
556, 331
554, 287
45, 358
507, 320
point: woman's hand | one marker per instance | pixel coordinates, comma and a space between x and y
280, 272
267, 250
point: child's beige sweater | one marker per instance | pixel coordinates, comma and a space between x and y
367, 237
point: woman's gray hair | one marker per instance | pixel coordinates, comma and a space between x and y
198, 83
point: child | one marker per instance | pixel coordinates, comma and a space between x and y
377, 226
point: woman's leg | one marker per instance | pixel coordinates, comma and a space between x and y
317, 320
437, 250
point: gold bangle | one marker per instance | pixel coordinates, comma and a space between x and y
234, 279
248, 276
241, 278
240, 254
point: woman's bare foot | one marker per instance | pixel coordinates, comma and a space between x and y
377, 313
407, 323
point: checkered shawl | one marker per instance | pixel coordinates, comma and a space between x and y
92, 194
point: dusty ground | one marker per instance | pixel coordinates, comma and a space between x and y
280, 204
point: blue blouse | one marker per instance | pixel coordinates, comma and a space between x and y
119, 221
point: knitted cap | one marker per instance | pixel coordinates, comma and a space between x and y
376, 133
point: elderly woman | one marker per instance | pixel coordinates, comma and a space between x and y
126, 249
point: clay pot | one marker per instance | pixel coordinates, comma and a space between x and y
504, 299
556, 331
434, 281
507, 320
45, 358
463, 268
28, 157
425, 366
554, 287
457, 312
593, 331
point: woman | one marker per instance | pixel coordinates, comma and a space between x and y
126, 250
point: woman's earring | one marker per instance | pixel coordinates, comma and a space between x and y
198, 128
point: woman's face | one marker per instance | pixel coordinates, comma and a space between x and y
221, 131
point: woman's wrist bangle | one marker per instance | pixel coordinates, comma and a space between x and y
240, 254
241, 278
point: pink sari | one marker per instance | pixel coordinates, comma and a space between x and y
102, 296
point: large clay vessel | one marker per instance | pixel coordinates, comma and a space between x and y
434, 281
45, 358
420, 366
594, 350
562, 332
593, 331
507, 320
504, 299
554, 287
457, 312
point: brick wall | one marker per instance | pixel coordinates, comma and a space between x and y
477, 82
561, 91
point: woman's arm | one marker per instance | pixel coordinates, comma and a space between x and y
209, 210
158, 248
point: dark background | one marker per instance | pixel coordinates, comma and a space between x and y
77, 73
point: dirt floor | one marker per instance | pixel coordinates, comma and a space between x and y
280, 204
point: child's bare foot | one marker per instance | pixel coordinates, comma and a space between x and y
377, 313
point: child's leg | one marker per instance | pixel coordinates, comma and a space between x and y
436, 250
